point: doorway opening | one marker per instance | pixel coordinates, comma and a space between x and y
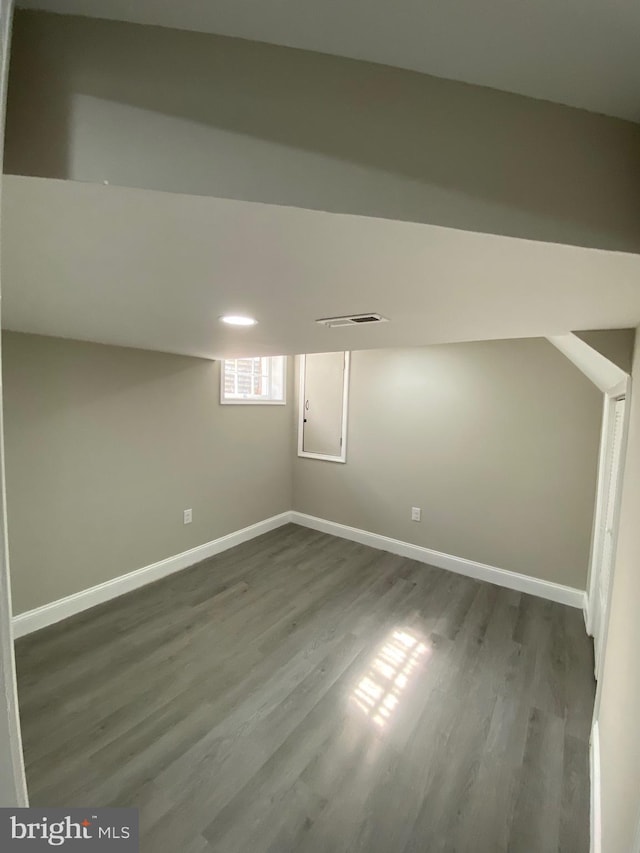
606, 520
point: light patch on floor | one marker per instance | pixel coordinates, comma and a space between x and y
380, 690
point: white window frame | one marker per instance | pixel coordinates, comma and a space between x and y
345, 410
254, 401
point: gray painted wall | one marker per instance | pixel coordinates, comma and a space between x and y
620, 701
497, 442
13, 788
188, 112
615, 344
106, 446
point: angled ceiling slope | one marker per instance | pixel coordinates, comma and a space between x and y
603, 372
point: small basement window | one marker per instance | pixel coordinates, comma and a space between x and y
253, 380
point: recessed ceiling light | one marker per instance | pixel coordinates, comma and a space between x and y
238, 320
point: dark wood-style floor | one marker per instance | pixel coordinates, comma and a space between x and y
304, 693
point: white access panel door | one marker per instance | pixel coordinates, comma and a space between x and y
323, 401
614, 457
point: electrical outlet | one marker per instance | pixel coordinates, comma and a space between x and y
188, 516
416, 513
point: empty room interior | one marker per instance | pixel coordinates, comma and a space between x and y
321, 445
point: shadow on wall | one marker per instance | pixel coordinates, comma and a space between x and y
190, 112
77, 383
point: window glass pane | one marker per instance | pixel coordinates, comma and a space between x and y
257, 379
277, 377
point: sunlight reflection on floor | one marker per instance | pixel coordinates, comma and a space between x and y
380, 690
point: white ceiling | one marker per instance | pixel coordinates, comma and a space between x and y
578, 52
155, 270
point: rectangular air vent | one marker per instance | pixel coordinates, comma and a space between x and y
352, 320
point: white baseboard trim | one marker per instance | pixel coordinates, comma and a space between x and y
48, 614
511, 580
594, 770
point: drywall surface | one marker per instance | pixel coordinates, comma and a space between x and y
620, 698
95, 100
13, 788
105, 448
615, 344
496, 442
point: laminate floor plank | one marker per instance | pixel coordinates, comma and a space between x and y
304, 693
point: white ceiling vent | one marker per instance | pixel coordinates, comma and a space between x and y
352, 320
